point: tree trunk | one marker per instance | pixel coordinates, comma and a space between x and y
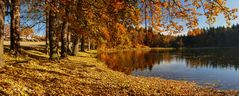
2, 15
69, 44
47, 31
53, 34
12, 26
76, 45
82, 49
89, 44
64, 40
15, 27
64, 34
145, 17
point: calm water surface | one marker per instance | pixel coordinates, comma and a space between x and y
204, 66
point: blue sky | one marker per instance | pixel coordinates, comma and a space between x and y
220, 19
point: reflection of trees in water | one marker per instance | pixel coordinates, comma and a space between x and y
212, 58
127, 61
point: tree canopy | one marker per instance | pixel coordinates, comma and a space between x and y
110, 23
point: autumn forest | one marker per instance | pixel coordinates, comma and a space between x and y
73, 33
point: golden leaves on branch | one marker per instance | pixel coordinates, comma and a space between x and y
195, 32
118, 4
105, 32
220, 2
217, 7
165, 4
26, 31
113, 19
121, 28
162, 12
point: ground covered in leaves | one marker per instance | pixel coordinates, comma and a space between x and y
84, 75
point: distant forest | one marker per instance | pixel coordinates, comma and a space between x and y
214, 37
205, 37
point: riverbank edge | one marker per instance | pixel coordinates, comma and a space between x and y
162, 48
95, 79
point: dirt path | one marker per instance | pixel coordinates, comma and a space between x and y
26, 43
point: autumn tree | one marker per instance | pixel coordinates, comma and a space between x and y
166, 15
6, 31
26, 31
116, 23
76, 44
76, 26
64, 31
52, 30
15, 26
112, 20
195, 32
2, 16
47, 26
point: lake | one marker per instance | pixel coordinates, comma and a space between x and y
212, 67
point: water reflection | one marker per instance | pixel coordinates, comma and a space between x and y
212, 58
127, 61
209, 65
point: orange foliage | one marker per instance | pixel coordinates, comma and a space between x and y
105, 33
195, 32
121, 28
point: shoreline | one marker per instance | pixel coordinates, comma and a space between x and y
163, 48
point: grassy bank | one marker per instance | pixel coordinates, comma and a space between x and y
84, 75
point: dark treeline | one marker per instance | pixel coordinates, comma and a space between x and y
205, 37
213, 37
